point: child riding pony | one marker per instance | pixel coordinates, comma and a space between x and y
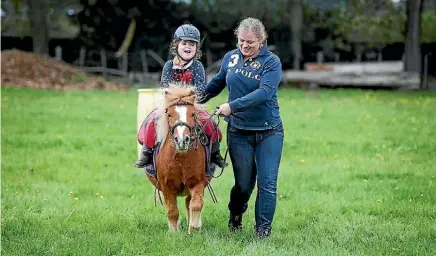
186, 69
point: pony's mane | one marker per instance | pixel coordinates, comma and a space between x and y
174, 94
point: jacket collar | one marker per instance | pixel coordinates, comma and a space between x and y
176, 63
264, 49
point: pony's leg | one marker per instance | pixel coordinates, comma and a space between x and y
172, 211
195, 207
187, 202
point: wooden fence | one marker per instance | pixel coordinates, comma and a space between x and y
370, 73
122, 70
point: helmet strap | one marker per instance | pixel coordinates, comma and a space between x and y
181, 58
177, 59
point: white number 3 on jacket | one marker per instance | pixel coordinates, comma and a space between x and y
234, 60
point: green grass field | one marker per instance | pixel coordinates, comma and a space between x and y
358, 177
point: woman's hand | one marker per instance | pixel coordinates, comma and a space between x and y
224, 110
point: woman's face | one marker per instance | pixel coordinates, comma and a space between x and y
187, 49
248, 43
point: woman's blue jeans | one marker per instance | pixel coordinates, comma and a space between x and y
255, 156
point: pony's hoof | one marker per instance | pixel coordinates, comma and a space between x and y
191, 228
174, 227
195, 220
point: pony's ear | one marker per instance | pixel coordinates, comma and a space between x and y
192, 95
192, 92
167, 94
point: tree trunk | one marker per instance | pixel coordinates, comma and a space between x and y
296, 24
413, 36
124, 48
39, 25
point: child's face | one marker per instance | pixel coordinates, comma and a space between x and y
187, 49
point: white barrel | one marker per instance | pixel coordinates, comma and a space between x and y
147, 100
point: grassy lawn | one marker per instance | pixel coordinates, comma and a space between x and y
358, 177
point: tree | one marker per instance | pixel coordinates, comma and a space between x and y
37, 18
29, 17
296, 26
428, 25
373, 22
39, 25
413, 36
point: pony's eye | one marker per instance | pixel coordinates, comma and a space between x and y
169, 115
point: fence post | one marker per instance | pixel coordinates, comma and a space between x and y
144, 62
119, 63
58, 52
319, 57
380, 57
359, 57
125, 66
103, 62
337, 57
425, 77
82, 57
144, 66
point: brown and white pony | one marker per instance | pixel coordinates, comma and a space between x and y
181, 161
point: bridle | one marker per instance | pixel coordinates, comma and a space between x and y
196, 131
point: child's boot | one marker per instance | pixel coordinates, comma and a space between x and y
215, 156
146, 157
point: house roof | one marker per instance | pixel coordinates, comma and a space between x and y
326, 4
16, 24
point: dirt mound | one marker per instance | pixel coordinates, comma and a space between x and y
25, 69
